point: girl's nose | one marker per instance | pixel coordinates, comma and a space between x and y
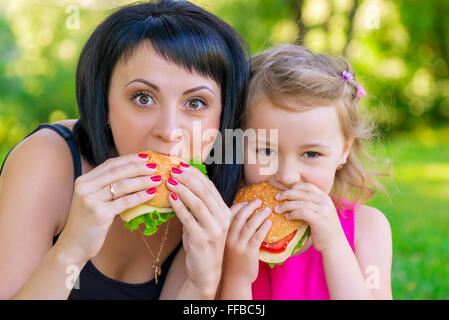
287, 174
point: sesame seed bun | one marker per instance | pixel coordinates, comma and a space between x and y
280, 228
160, 201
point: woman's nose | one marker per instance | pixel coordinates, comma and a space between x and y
166, 127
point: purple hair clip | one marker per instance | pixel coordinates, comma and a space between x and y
360, 92
347, 76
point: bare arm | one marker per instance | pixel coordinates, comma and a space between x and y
230, 290
178, 286
35, 192
365, 274
53, 279
241, 263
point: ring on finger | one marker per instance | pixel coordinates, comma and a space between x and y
112, 192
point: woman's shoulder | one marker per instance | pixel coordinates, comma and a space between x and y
44, 139
69, 123
41, 167
44, 144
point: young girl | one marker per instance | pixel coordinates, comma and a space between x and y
312, 102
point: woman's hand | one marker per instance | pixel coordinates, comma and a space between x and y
308, 203
241, 262
94, 208
205, 226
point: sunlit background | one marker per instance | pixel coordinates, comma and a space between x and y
399, 50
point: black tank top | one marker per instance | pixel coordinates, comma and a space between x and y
92, 284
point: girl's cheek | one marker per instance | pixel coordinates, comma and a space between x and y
324, 180
252, 174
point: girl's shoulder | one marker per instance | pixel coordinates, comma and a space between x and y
370, 223
367, 213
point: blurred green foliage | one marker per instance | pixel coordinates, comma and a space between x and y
398, 49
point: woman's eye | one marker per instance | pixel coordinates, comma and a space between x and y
196, 104
143, 100
266, 152
311, 154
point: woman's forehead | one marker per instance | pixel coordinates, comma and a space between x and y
147, 64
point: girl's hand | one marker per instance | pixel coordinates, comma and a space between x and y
241, 263
205, 226
94, 208
308, 203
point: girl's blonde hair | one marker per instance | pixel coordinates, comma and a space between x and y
290, 72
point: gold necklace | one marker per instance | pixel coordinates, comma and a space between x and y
155, 266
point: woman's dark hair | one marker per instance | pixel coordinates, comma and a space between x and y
182, 33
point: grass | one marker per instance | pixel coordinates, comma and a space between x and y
417, 207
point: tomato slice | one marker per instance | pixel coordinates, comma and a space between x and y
279, 245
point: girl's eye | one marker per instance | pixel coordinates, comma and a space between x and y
311, 154
196, 104
266, 152
143, 99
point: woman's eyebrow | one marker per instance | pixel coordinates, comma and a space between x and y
198, 88
148, 83
155, 87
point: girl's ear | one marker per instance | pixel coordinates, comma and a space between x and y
346, 149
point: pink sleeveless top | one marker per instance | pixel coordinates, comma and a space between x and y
301, 277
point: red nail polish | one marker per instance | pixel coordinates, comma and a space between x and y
151, 165
156, 178
176, 170
183, 164
143, 155
151, 191
174, 196
172, 181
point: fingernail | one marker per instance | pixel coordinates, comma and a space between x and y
174, 196
156, 178
143, 155
151, 165
172, 182
176, 170
183, 164
266, 209
258, 201
277, 195
276, 208
151, 191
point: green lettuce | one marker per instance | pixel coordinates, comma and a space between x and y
152, 220
200, 166
298, 245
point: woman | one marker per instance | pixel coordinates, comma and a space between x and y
145, 72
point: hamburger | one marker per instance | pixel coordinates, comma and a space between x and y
158, 210
285, 237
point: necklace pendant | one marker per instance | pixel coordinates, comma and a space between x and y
157, 272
